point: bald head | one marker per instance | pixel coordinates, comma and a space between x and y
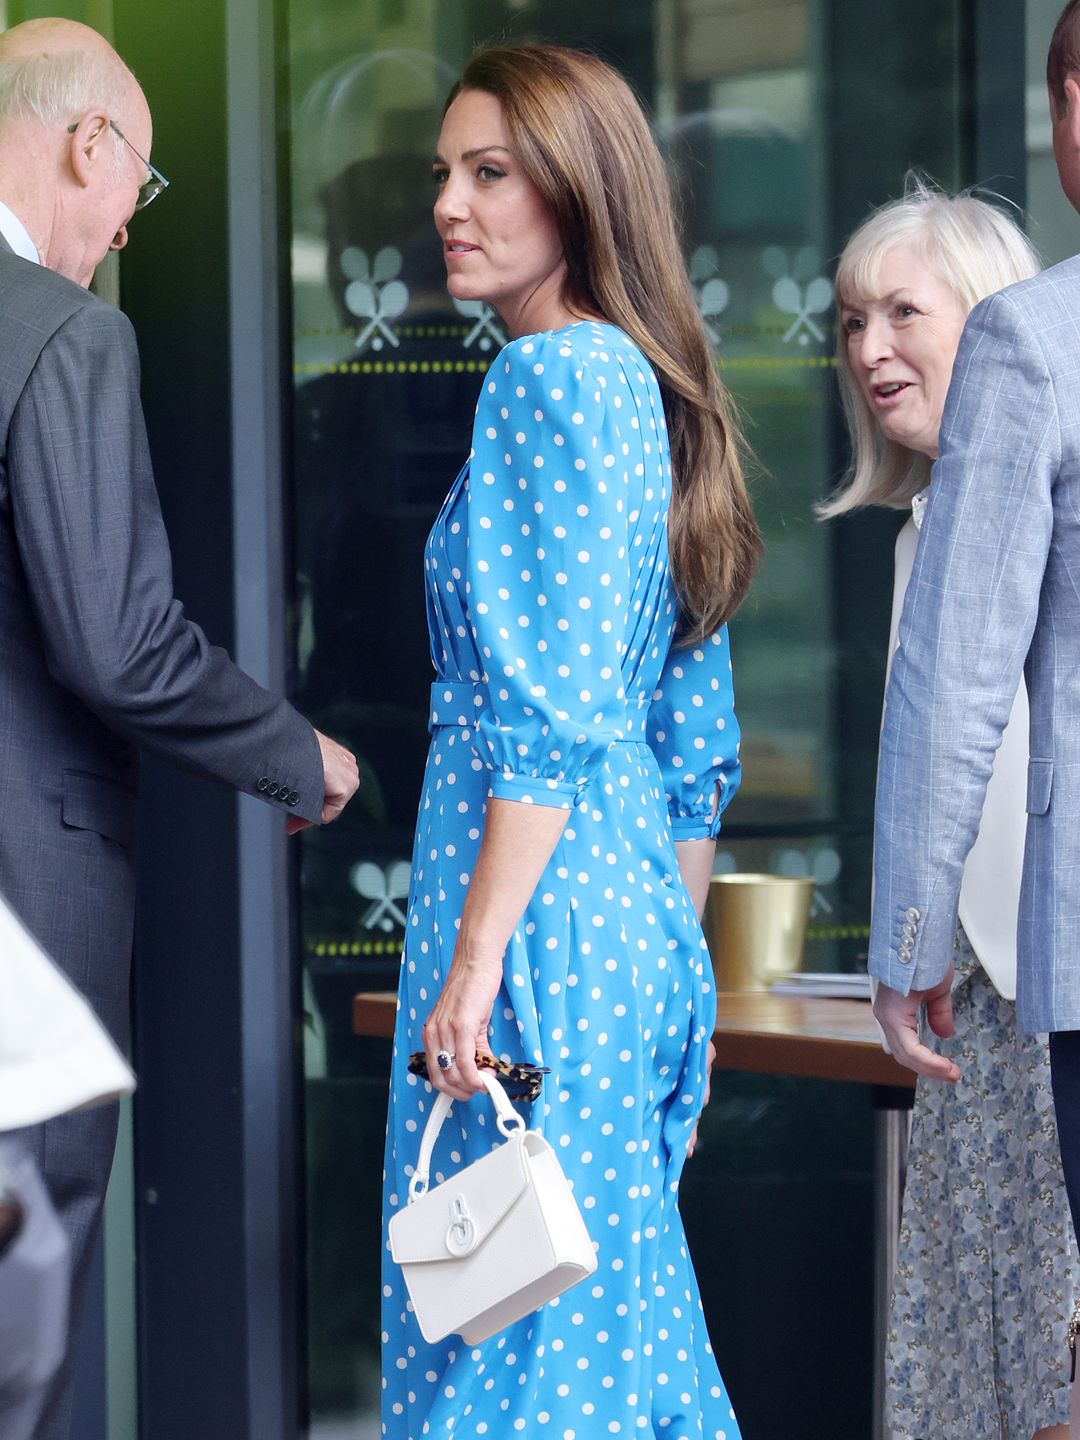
52, 36
54, 70
75, 134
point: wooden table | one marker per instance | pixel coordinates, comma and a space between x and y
769, 1034
795, 1035
816, 1038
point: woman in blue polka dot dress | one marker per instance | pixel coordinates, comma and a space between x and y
583, 747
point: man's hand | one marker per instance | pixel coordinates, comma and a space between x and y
898, 1016
340, 781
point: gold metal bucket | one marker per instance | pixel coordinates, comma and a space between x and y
755, 926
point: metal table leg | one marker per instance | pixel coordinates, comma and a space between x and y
892, 1107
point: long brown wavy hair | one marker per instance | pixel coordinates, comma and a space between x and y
582, 139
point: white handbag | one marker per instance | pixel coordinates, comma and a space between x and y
495, 1241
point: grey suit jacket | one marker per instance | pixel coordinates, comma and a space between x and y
996, 583
97, 658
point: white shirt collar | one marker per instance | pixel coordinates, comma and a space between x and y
16, 235
919, 502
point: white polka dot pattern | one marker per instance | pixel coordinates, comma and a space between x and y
551, 612
695, 737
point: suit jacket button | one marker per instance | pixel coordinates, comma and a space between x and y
912, 914
292, 798
263, 783
273, 788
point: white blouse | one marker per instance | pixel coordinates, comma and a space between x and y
990, 891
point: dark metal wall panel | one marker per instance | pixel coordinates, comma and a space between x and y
269, 994
995, 36
214, 1113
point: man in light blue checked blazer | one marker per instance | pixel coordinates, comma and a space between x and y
995, 589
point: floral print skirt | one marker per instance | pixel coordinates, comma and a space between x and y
987, 1270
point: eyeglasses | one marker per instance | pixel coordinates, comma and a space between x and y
152, 187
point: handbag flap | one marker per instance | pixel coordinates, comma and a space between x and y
456, 1217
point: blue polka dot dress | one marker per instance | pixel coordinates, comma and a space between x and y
551, 612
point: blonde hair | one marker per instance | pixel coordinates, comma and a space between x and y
583, 141
971, 246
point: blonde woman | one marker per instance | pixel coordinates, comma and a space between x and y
986, 1246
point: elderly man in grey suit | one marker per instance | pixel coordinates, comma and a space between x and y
96, 656
996, 586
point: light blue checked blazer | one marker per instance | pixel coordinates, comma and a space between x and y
996, 585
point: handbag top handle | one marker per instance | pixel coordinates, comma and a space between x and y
506, 1117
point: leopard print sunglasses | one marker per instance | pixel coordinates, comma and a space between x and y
521, 1080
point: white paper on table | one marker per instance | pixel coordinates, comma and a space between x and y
55, 1054
845, 986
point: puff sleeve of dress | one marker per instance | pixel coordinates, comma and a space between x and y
695, 737
547, 570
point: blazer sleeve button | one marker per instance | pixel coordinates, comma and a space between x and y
272, 789
262, 784
292, 798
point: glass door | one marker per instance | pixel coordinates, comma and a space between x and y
762, 111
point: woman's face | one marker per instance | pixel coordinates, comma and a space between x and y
500, 241
901, 345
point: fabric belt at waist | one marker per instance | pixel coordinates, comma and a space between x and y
458, 703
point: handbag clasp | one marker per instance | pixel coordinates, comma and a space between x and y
462, 1235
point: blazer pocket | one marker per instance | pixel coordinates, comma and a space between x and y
1040, 777
91, 802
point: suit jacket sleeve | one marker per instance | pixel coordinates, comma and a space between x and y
965, 631
97, 563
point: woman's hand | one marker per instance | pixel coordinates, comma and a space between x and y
710, 1061
459, 1024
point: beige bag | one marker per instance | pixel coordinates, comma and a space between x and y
495, 1241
